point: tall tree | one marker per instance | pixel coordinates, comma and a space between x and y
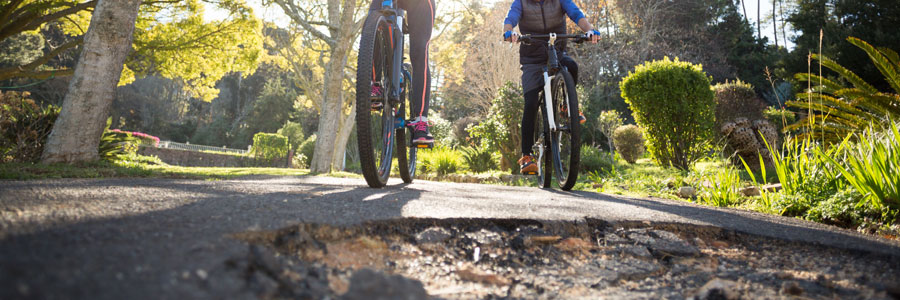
76, 134
775, 21
336, 24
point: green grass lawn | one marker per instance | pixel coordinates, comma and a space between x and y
133, 168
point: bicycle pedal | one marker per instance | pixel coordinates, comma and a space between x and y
531, 173
429, 146
377, 106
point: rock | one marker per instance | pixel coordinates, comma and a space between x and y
474, 275
612, 239
485, 237
664, 243
634, 250
506, 178
574, 244
687, 192
772, 187
369, 284
718, 289
432, 235
750, 191
791, 288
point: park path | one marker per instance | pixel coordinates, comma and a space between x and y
168, 238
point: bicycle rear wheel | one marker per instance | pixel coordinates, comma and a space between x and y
374, 117
566, 141
406, 156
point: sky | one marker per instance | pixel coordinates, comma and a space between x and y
274, 14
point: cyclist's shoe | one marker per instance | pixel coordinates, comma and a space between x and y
421, 137
527, 165
581, 118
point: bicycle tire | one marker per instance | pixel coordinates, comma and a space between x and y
407, 167
566, 141
545, 173
376, 167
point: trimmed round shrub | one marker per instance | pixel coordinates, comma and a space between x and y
270, 146
674, 104
629, 142
736, 99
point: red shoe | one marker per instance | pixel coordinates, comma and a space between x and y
527, 165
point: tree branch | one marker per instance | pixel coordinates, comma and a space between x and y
43, 74
293, 11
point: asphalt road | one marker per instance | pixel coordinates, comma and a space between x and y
160, 238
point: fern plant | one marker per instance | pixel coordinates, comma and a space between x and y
837, 110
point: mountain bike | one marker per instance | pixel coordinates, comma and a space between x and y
381, 124
558, 144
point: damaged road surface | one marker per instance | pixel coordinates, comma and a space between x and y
330, 238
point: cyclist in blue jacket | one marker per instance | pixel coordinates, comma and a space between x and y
541, 17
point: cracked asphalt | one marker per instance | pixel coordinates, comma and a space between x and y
169, 239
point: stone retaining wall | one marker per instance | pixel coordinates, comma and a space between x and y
188, 158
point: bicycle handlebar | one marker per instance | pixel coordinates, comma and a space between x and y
578, 38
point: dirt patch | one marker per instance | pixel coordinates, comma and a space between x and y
508, 258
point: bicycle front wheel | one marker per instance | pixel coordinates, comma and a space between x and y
406, 156
374, 114
566, 140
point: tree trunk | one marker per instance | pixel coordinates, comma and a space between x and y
775, 21
76, 134
340, 147
758, 27
330, 116
744, 7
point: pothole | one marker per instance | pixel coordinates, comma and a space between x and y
509, 258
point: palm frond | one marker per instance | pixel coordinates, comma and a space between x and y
882, 63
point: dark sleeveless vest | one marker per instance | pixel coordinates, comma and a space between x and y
540, 17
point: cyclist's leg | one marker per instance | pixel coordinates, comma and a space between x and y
529, 116
420, 15
570, 65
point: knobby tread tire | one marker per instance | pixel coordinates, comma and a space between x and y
364, 103
574, 132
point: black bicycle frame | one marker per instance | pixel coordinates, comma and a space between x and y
395, 18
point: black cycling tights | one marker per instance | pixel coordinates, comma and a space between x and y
531, 107
420, 17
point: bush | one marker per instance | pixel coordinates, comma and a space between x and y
307, 148
140, 137
24, 127
736, 99
594, 160
293, 132
441, 160
779, 117
269, 146
479, 159
442, 130
629, 142
500, 131
673, 103
607, 123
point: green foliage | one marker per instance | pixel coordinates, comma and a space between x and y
442, 130
21, 49
479, 159
607, 123
294, 133
673, 103
269, 146
114, 145
723, 188
441, 160
499, 131
837, 110
841, 209
736, 99
870, 165
307, 148
595, 161
779, 117
629, 142
24, 127
869, 20
273, 107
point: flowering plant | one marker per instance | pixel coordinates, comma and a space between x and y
145, 138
